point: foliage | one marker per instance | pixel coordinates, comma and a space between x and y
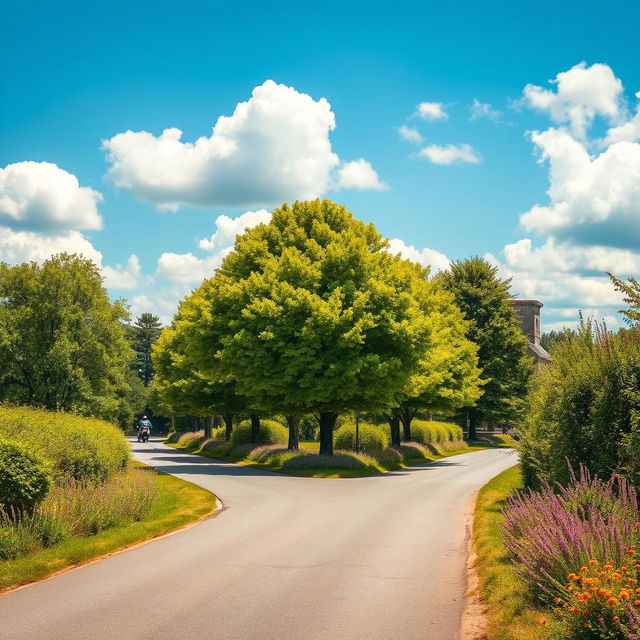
24, 479
372, 439
575, 547
178, 503
143, 334
62, 342
585, 407
343, 460
549, 339
432, 432
510, 614
78, 509
309, 429
74, 447
271, 432
413, 450
310, 314
485, 300
631, 296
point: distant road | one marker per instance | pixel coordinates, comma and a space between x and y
377, 558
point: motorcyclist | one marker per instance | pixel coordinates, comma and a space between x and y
143, 423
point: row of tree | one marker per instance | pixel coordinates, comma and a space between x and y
311, 314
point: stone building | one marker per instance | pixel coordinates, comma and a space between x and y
529, 313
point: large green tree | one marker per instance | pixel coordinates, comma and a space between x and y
485, 300
143, 334
311, 314
448, 377
630, 290
62, 342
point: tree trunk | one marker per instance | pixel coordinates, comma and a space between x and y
394, 423
294, 442
216, 422
207, 427
228, 425
473, 423
406, 416
255, 428
327, 423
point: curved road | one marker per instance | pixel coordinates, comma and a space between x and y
288, 558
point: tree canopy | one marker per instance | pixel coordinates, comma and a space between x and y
485, 300
630, 291
62, 342
143, 335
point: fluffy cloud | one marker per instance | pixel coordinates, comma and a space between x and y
410, 134
127, 276
480, 110
431, 111
426, 257
581, 94
591, 197
187, 268
450, 154
275, 147
42, 196
359, 174
228, 228
28, 246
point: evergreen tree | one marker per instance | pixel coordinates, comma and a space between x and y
144, 334
485, 300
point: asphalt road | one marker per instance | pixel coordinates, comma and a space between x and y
288, 558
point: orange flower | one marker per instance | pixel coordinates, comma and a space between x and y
624, 595
573, 576
631, 552
593, 563
608, 567
558, 600
574, 610
542, 621
583, 569
616, 618
612, 601
636, 602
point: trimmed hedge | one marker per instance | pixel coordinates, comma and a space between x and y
373, 439
24, 478
271, 432
431, 432
75, 448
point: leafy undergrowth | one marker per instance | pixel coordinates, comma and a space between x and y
344, 464
178, 504
510, 612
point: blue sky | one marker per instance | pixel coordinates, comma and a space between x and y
77, 74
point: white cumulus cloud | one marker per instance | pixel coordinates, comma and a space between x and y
359, 174
450, 154
410, 134
42, 196
273, 148
480, 110
228, 228
431, 111
128, 276
426, 257
581, 94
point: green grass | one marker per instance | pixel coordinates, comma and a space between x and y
511, 615
435, 452
179, 503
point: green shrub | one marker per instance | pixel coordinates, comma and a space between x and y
74, 447
309, 428
217, 448
413, 450
432, 432
585, 408
272, 454
190, 439
342, 460
16, 540
24, 479
373, 439
271, 432
173, 437
389, 455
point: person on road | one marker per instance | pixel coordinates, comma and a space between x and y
144, 422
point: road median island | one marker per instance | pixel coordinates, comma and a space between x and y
510, 613
179, 504
345, 464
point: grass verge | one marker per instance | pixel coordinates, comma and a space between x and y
510, 614
179, 503
373, 468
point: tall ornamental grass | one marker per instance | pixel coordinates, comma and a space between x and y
76, 448
372, 439
433, 432
78, 508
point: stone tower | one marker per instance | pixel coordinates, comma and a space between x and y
529, 313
